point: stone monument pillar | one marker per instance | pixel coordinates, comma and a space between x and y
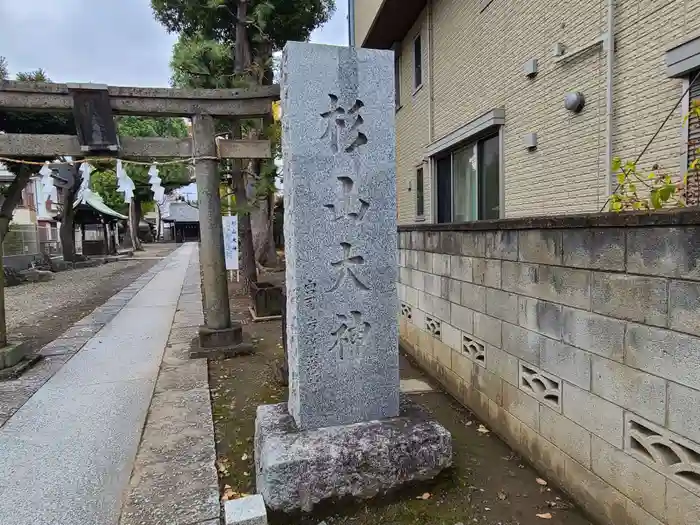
344, 431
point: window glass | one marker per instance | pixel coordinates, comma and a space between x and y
420, 202
417, 63
397, 76
464, 190
489, 179
444, 189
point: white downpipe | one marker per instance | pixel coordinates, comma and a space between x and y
609, 99
351, 23
431, 108
432, 173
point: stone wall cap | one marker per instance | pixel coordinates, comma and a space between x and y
682, 217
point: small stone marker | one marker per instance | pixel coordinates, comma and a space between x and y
249, 510
345, 431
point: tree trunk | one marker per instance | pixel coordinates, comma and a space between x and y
4, 227
241, 64
261, 222
242, 57
245, 234
158, 222
134, 220
67, 232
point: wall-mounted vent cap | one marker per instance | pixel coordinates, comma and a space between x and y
574, 101
530, 68
531, 141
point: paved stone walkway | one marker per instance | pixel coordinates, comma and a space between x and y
67, 453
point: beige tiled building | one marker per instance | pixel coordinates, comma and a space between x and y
482, 127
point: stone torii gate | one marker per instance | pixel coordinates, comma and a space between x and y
93, 107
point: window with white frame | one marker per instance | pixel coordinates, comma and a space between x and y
468, 181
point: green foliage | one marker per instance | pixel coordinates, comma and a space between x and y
173, 176
273, 21
33, 76
659, 190
201, 63
104, 182
4, 73
152, 127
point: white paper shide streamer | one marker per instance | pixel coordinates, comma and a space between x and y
85, 170
154, 180
47, 183
124, 183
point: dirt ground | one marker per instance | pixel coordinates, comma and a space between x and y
488, 484
37, 313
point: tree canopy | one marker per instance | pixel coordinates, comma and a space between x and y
274, 21
201, 63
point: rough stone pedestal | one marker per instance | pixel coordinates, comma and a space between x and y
296, 470
224, 343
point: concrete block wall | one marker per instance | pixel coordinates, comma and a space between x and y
577, 339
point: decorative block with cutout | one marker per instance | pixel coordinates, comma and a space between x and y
540, 385
433, 326
668, 453
406, 311
474, 350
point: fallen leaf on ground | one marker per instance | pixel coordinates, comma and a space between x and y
244, 457
483, 430
540, 481
425, 495
502, 495
228, 494
469, 423
545, 516
246, 474
222, 465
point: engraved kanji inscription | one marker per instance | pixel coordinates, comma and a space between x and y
351, 335
348, 204
309, 298
309, 293
340, 122
345, 268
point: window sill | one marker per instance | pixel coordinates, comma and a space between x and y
420, 218
415, 91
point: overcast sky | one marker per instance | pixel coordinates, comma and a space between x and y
116, 42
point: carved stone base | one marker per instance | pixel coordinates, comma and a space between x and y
220, 344
296, 470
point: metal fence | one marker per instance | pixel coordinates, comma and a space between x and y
22, 239
31, 239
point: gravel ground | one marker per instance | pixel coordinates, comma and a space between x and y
40, 312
